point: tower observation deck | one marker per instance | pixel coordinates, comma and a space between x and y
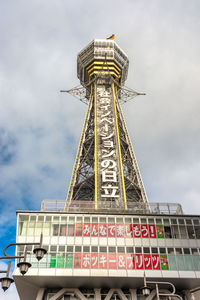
105, 174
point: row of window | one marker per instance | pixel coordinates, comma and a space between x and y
110, 220
164, 262
113, 249
33, 228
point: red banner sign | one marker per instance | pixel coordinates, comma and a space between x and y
117, 261
116, 230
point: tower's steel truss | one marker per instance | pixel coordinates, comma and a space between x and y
105, 172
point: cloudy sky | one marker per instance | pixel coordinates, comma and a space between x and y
40, 128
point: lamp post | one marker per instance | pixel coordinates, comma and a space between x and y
6, 281
22, 265
146, 290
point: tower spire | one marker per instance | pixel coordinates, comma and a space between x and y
105, 174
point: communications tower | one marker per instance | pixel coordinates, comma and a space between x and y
105, 174
106, 241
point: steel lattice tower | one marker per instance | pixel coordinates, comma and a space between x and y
105, 174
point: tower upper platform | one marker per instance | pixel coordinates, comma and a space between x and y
102, 56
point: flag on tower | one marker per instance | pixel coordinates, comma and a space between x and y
112, 37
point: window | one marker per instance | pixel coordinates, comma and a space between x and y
94, 249
146, 250
120, 250
77, 248
86, 248
154, 250
183, 232
190, 231
129, 250
138, 250
197, 231
166, 221
112, 249
186, 251
175, 232
103, 249
163, 250
168, 234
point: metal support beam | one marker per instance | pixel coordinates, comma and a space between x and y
97, 294
40, 294
133, 293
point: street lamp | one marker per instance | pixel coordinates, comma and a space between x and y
22, 265
146, 290
6, 281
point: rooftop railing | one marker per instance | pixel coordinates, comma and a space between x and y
133, 207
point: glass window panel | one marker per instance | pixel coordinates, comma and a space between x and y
86, 248
197, 231
70, 248
41, 218
120, 220
70, 230
120, 250
188, 262
129, 250
136, 221
195, 251
183, 232
77, 248
79, 219
72, 220
38, 228
48, 218
128, 220
102, 220
181, 221
112, 249
166, 221
172, 262
146, 250
94, 249
173, 221
33, 218
53, 248
190, 231
23, 228
56, 219
154, 250
180, 262
63, 229
94, 220
186, 251
163, 250
111, 220
103, 249
143, 221
55, 228
138, 250
171, 250
47, 229
168, 234
175, 232
188, 221
151, 221
64, 220
158, 221
178, 251
196, 261
196, 222
23, 218
31, 227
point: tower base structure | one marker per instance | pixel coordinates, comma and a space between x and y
105, 255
